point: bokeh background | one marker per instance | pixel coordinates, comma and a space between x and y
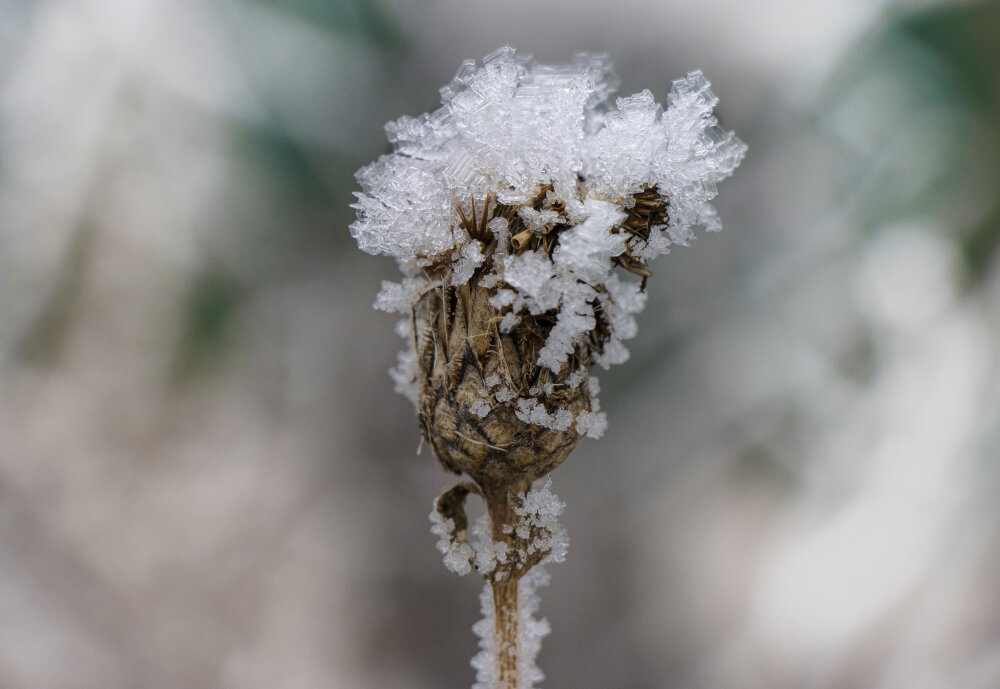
206, 480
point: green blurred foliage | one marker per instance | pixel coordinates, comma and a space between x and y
299, 204
368, 20
926, 145
293, 200
208, 312
967, 39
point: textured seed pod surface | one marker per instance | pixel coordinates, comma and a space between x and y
469, 430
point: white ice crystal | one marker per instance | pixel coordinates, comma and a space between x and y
458, 556
531, 276
481, 406
532, 410
586, 249
505, 394
591, 424
404, 373
538, 520
470, 257
399, 297
574, 170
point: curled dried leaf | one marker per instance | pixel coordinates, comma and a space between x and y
451, 505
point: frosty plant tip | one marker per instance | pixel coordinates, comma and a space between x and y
523, 215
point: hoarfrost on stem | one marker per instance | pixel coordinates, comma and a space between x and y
540, 537
531, 632
539, 530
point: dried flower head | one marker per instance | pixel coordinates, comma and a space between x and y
510, 210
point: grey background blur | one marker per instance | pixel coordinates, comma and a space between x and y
206, 480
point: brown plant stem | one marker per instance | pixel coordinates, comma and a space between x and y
500, 499
505, 618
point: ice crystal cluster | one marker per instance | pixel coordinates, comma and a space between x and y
531, 183
539, 537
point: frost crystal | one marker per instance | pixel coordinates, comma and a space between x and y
540, 535
529, 183
399, 297
538, 524
404, 373
458, 555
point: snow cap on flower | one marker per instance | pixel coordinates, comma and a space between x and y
510, 125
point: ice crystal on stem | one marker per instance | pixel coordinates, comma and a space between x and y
510, 210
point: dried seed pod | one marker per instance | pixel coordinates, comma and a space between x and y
459, 347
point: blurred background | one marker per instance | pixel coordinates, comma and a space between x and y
206, 480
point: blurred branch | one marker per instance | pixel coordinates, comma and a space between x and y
45, 339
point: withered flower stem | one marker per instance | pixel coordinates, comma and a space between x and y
509, 210
502, 498
506, 616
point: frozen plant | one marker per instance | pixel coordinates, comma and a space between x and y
510, 210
